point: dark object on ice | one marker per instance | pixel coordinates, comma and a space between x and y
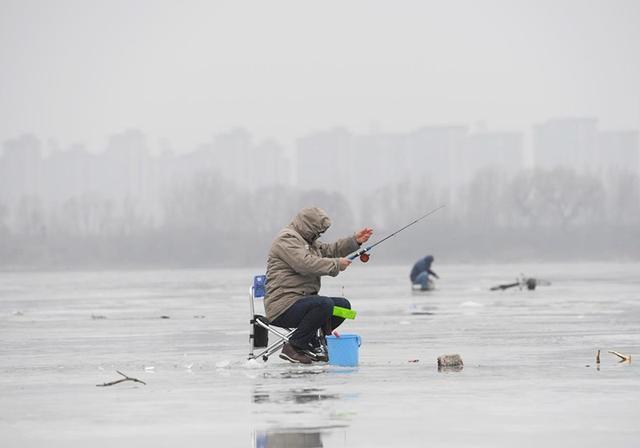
420, 274
126, 378
523, 282
260, 334
165, 317
505, 286
98, 317
450, 363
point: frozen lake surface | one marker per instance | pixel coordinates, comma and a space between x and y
529, 378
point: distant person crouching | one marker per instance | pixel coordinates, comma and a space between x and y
420, 274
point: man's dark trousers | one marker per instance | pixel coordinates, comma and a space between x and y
307, 315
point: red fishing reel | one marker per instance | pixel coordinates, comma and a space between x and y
364, 257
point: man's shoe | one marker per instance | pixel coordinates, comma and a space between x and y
320, 354
317, 350
292, 354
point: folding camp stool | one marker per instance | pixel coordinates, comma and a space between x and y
260, 327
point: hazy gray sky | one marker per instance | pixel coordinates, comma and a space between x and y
184, 70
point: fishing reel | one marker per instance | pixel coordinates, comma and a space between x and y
363, 255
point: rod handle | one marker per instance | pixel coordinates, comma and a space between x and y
359, 252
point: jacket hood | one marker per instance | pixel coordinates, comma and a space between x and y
310, 223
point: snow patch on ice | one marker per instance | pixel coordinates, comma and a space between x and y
470, 303
253, 364
224, 364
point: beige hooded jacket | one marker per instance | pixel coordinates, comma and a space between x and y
297, 260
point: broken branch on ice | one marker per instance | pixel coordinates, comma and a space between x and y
622, 357
126, 378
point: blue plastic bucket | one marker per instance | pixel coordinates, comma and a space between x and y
343, 350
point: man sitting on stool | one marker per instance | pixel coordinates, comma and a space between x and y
295, 264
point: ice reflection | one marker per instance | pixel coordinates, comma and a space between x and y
283, 438
454, 368
298, 396
300, 415
301, 373
419, 309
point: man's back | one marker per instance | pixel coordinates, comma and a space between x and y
422, 265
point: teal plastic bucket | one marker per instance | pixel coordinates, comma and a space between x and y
343, 350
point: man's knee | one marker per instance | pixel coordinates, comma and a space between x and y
326, 304
421, 278
342, 302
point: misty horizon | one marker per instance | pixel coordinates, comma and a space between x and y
158, 146
188, 133
576, 194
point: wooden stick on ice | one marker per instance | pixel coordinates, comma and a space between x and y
126, 378
622, 357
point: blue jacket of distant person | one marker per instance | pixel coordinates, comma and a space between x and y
422, 265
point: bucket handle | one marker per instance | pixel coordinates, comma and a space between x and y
359, 340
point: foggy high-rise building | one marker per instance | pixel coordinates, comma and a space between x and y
567, 142
269, 165
502, 150
70, 173
618, 151
239, 160
233, 154
20, 169
125, 165
324, 160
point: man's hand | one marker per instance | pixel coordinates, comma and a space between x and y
344, 263
362, 235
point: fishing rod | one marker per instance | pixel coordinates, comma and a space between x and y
362, 253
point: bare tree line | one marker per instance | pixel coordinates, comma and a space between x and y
209, 220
